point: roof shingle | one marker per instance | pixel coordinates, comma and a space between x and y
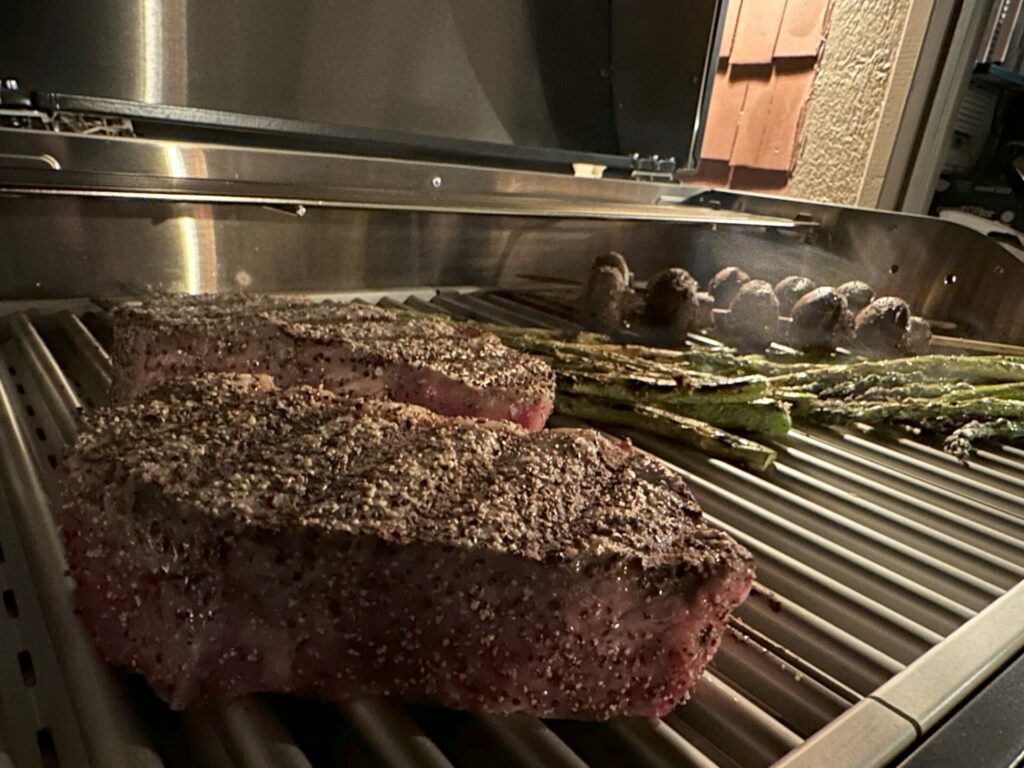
769, 57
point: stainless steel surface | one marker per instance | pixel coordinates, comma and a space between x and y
941, 677
295, 182
108, 726
870, 734
521, 223
574, 74
833, 660
1000, 43
944, 271
126, 163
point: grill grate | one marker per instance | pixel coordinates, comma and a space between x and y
875, 559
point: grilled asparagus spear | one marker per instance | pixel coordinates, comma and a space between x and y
939, 415
692, 432
937, 368
969, 398
961, 442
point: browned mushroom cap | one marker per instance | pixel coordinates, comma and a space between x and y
613, 259
857, 293
753, 318
790, 289
920, 336
820, 321
670, 293
726, 284
603, 296
883, 328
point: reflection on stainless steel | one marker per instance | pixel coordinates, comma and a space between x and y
125, 163
12, 160
164, 51
130, 215
190, 249
946, 271
531, 73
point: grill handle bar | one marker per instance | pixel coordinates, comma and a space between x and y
916, 699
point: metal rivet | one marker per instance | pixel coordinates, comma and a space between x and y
300, 210
436, 182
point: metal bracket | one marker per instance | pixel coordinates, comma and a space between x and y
653, 168
20, 108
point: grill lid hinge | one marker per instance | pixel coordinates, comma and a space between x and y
21, 108
653, 168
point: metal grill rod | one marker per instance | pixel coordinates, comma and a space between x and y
60, 398
970, 508
910, 516
945, 475
922, 568
86, 345
393, 734
531, 742
107, 723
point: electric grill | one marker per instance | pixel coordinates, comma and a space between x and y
281, 152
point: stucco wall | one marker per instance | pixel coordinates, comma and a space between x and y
848, 98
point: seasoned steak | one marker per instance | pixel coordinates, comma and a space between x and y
347, 348
230, 538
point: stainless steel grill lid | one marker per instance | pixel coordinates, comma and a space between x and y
508, 82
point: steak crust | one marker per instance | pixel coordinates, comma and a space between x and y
227, 537
348, 348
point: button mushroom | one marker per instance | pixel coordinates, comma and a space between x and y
790, 289
614, 259
726, 284
821, 321
857, 293
604, 297
672, 302
920, 336
753, 318
883, 328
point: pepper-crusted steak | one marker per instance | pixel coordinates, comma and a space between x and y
229, 537
348, 348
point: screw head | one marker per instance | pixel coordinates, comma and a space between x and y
436, 182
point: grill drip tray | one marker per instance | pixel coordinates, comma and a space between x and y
888, 590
